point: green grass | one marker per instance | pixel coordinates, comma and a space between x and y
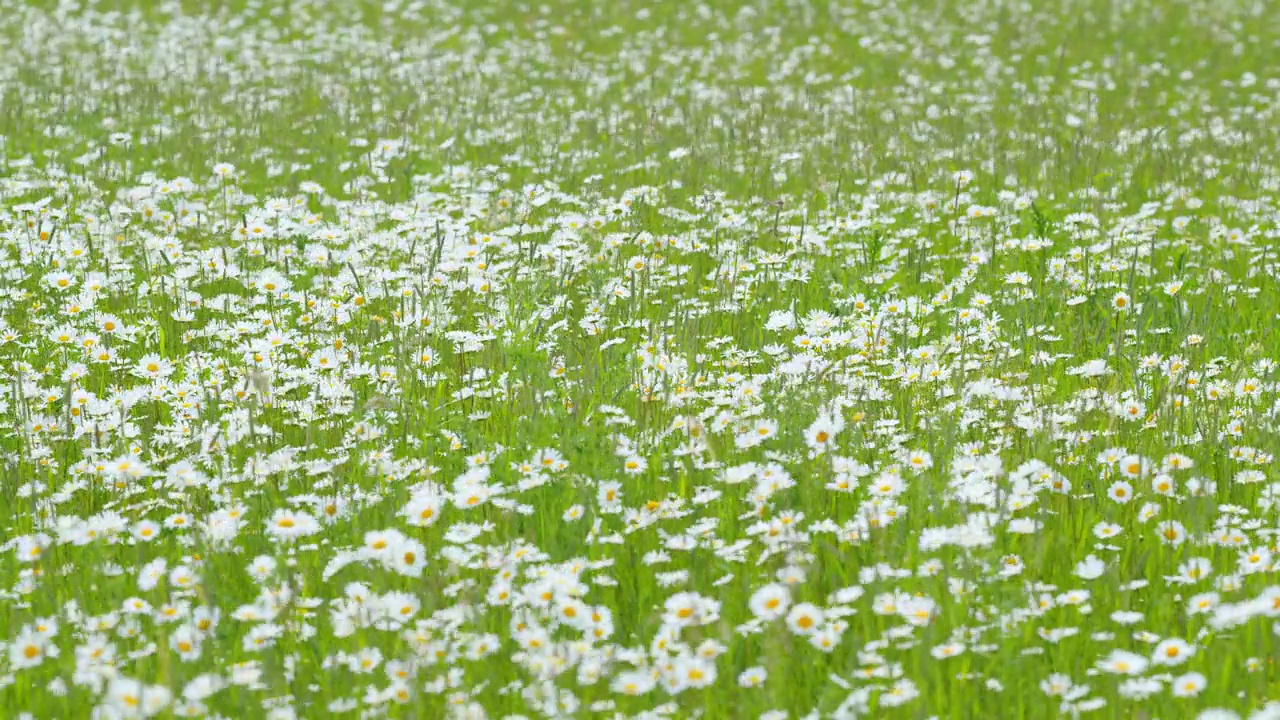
625, 239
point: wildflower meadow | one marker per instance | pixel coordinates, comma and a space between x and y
776, 359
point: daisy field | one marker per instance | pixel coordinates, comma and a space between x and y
778, 359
